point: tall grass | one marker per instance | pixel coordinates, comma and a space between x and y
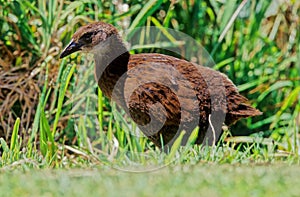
257, 49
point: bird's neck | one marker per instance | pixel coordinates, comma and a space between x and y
111, 66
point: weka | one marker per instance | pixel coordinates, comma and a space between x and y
163, 94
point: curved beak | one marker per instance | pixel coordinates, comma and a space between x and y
71, 48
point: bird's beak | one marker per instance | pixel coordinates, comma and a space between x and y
71, 48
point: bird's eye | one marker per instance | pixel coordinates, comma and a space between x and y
87, 37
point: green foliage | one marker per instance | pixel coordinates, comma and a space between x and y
11, 152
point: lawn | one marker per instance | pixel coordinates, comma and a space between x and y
203, 179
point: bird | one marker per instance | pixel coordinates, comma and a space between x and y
163, 95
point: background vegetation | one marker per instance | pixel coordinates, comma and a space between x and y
46, 120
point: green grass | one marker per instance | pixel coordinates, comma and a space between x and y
198, 180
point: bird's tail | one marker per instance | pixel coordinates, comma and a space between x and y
242, 111
246, 110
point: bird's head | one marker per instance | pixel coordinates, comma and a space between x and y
91, 38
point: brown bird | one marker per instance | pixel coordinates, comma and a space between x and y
163, 94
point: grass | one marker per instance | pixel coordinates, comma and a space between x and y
54, 117
201, 179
